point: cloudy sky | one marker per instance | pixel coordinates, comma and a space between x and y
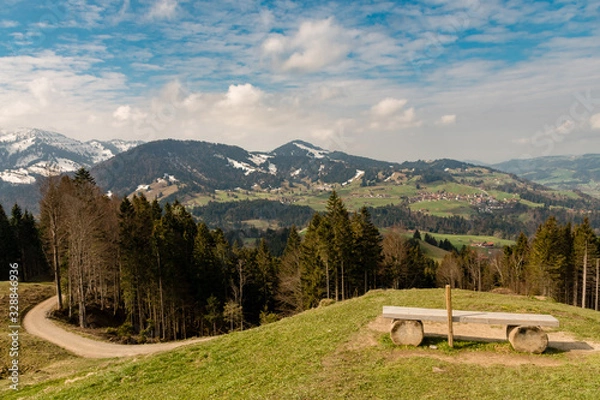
465, 79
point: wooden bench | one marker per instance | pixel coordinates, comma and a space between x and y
523, 331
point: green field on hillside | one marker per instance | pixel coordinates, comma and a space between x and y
432, 251
332, 353
444, 208
470, 240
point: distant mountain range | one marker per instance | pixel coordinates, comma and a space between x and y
27, 154
581, 173
201, 175
201, 167
298, 173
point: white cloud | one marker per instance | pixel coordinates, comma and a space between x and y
12, 110
316, 45
595, 121
122, 113
242, 96
163, 9
389, 114
125, 114
42, 89
49, 91
449, 119
8, 24
388, 106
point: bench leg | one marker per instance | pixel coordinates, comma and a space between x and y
509, 329
406, 332
528, 339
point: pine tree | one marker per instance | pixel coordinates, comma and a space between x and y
8, 245
15, 221
547, 260
138, 255
339, 246
83, 177
267, 277
417, 235
314, 265
367, 250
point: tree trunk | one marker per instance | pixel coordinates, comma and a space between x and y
576, 288
81, 301
70, 289
162, 309
343, 282
56, 270
327, 279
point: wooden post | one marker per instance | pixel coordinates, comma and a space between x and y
597, 279
584, 287
449, 308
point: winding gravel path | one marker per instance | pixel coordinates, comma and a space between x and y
37, 324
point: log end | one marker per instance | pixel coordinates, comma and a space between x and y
406, 332
528, 339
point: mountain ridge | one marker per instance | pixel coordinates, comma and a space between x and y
26, 154
29, 152
299, 173
566, 172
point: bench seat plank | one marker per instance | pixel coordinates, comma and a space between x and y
477, 317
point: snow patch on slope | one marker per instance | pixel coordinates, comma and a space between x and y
359, 174
313, 152
20, 176
259, 159
241, 165
27, 153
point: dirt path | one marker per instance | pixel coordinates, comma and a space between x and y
36, 323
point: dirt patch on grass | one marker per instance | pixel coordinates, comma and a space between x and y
482, 358
502, 354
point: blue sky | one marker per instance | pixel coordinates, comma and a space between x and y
396, 80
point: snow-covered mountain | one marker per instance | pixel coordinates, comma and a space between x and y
26, 154
201, 167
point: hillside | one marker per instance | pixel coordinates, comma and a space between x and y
301, 174
572, 173
344, 352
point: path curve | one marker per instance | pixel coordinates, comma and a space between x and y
37, 324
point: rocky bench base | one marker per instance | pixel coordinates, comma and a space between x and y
523, 331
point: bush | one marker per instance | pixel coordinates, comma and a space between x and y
125, 330
326, 302
268, 317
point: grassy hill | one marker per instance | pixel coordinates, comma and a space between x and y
333, 353
566, 173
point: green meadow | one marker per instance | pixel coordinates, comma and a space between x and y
333, 353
